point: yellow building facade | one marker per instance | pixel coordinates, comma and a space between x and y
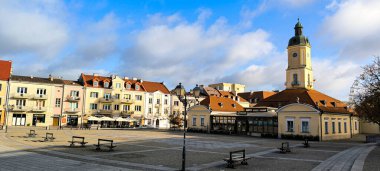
3, 98
230, 87
31, 100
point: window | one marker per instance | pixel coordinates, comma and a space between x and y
20, 102
150, 100
202, 121
194, 121
22, 90
295, 79
333, 104
94, 94
166, 101
150, 110
0, 101
305, 126
137, 108
96, 83
339, 127
106, 84
166, 111
58, 102
107, 96
137, 87
116, 107
290, 125
138, 97
118, 85
93, 106
107, 107
333, 127
127, 107
158, 101
117, 96
1, 87
74, 93
345, 127
326, 127
73, 105
128, 86
356, 126
41, 91
308, 80
127, 96
176, 103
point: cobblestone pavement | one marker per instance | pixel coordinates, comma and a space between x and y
162, 150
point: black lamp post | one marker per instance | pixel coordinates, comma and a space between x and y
181, 94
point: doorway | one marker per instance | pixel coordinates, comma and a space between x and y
56, 121
157, 123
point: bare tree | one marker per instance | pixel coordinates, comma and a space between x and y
367, 99
175, 120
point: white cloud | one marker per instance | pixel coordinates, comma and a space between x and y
335, 79
353, 25
180, 51
29, 27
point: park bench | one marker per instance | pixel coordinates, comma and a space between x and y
109, 144
49, 137
78, 140
32, 133
306, 143
284, 147
236, 156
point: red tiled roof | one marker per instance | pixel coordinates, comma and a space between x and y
88, 81
155, 86
222, 104
315, 98
5, 70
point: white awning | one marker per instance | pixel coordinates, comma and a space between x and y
104, 118
120, 119
92, 118
130, 119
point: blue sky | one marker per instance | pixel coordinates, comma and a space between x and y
194, 42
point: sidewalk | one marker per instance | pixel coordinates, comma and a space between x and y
372, 162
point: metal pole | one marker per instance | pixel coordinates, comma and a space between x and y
7, 105
184, 137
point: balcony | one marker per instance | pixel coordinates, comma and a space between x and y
40, 97
38, 109
72, 110
105, 112
20, 108
20, 96
106, 100
127, 101
127, 112
72, 98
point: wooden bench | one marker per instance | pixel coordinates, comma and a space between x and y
306, 143
109, 144
236, 156
74, 140
284, 147
32, 133
49, 137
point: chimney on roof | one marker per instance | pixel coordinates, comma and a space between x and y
51, 77
113, 76
140, 80
126, 78
134, 78
252, 92
31, 76
96, 74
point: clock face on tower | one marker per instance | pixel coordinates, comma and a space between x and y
294, 54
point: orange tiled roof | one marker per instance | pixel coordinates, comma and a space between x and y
222, 104
260, 95
315, 98
5, 70
211, 91
87, 81
155, 86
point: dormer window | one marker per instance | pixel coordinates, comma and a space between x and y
137, 87
323, 102
220, 104
333, 104
234, 105
128, 86
96, 83
106, 84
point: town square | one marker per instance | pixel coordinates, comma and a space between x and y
164, 85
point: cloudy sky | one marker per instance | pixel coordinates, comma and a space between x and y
194, 42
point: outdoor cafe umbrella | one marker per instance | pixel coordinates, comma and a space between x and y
104, 118
92, 118
120, 119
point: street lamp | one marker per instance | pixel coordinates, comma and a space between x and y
181, 94
7, 107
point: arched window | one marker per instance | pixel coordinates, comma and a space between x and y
128, 86
96, 83
308, 80
106, 84
137, 87
295, 79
